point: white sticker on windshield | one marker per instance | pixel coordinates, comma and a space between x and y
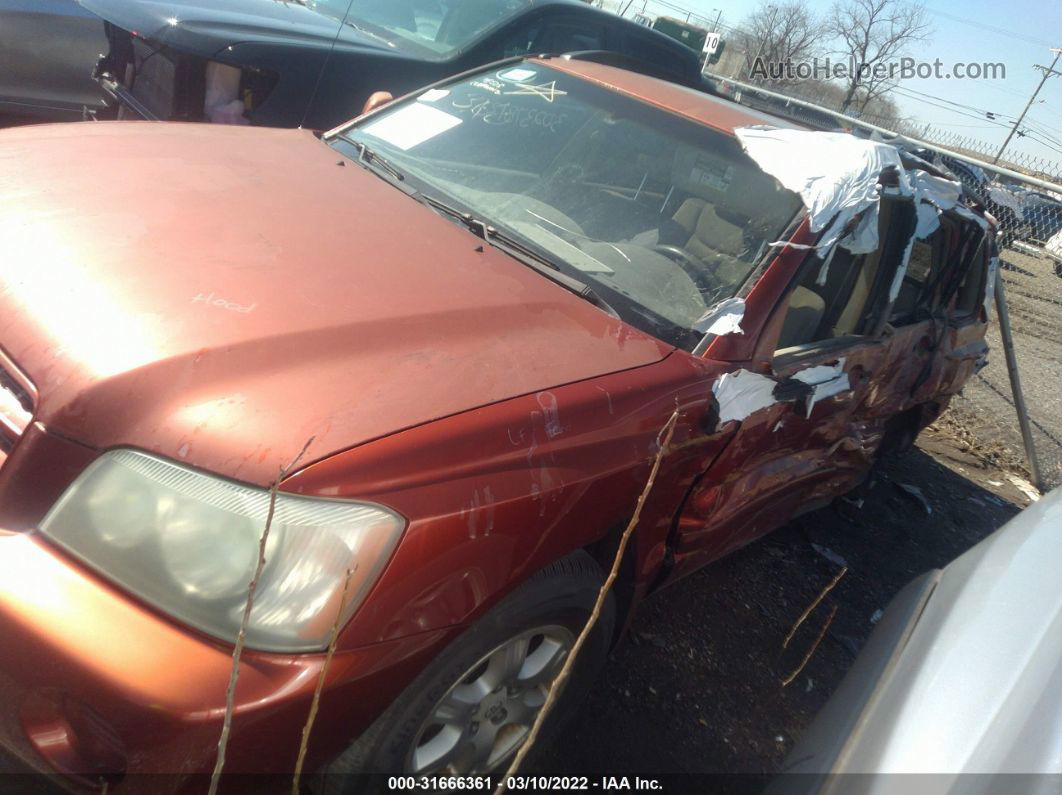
518, 75
434, 94
412, 125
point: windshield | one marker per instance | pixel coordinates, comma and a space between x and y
661, 216
428, 28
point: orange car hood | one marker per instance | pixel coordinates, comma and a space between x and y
221, 295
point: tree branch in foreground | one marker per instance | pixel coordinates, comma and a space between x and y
812, 606
663, 440
315, 703
237, 652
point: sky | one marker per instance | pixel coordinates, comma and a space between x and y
1018, 33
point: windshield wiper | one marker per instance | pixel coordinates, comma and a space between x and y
376, 164
520, 251
370, 158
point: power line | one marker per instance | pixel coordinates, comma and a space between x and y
1048, 71
1039, 127
990, 28
981, 117
982, 111
1043, 142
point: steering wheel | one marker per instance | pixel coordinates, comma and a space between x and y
705, 279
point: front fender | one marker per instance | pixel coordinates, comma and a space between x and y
496, 494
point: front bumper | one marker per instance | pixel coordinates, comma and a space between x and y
94, 685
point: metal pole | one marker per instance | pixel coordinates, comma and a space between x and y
1015, 384
1047, 73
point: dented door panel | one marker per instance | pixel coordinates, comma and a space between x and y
911, 370
810, 444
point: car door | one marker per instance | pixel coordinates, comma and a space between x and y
833, 384
966, 296
47, 51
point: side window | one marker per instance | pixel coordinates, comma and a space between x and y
569, 35
928, 260
969, 298
555, 36
664, 60
519, 41
848, 302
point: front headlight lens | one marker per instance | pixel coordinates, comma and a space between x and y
188, 543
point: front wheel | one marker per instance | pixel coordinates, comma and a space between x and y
472, 708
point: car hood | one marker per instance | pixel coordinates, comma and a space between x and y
221, 295
205, 27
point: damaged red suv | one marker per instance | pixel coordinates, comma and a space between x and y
475, 307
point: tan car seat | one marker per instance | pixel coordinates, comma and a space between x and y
709, 234
802, 318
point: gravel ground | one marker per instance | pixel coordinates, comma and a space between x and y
697, 686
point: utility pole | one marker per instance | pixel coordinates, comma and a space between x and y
1048, 71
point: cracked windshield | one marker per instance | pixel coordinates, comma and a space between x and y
661, 217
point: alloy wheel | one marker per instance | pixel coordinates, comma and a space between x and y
486, 715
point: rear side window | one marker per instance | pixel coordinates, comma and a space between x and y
665, 60
569, 35
969, 300
928, 259
520, 41
554, 36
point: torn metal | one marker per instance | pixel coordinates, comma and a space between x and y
825, 381
837, 177
990, 284
742, 393
723, 318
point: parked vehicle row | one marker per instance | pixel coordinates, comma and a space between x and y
474, 308
311, 63
1023, 214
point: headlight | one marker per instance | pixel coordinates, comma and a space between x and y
188, 544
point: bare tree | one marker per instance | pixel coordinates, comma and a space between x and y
873, 34
780, 33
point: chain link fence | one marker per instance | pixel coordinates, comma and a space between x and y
1030, 240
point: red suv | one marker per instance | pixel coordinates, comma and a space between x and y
475, 308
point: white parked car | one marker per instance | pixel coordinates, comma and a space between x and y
1054, 246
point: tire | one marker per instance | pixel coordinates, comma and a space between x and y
549, 609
